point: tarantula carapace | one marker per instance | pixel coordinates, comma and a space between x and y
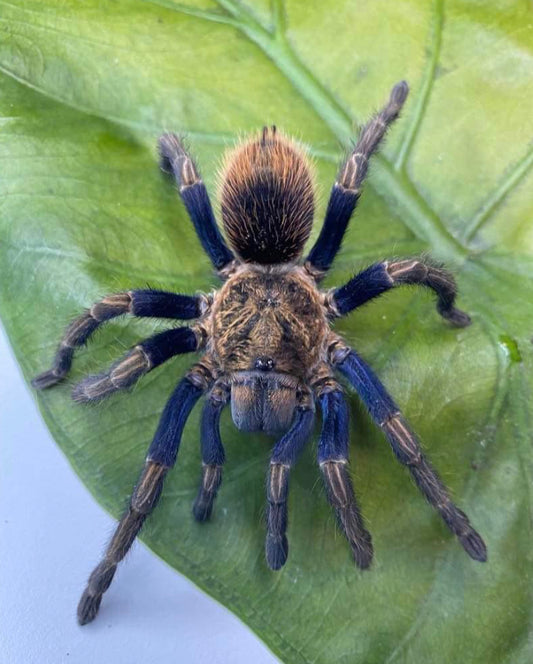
269, 349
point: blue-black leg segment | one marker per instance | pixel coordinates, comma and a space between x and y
365, 286
288, 448
161, 456
333, 460
165, 445
150, 303
175, 161
284, 455
347, 188
163, 304
212, 448
341, 204
334, 437
213, 455
381, 277
141, 359
407, 450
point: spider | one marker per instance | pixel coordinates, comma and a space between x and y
269, 350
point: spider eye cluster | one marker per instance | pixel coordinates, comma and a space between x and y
267, 198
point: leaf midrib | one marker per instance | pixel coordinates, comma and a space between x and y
393, 181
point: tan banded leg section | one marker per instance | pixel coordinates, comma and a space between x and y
277, 545
145, 497
207, 493
412, 271
341, 495
77, 334
355, 169
121, 375
111, 306
212, 450
181, 165
407, 450
145, 356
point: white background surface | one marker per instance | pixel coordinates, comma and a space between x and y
52, 534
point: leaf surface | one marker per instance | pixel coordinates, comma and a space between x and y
85, 89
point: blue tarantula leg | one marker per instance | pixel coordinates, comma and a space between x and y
175, 161
407, 449
213, 456
347, 189
284, 456
381, 277
141, 359
145, 303
333, 460
161, 457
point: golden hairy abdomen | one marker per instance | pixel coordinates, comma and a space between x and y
269, 312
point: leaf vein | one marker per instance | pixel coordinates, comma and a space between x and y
426, 89
506, 187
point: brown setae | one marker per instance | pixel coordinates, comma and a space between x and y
266, 341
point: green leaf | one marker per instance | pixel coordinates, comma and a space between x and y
85, 90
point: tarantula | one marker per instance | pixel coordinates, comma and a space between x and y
269, 347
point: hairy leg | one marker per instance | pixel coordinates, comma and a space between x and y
381, 277
407, 449
333, 460
142, 502
141, 359
213, 456
141, 303
347, 189
161, 457
284, 456
175, 161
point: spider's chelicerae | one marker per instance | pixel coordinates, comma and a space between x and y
269, 350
